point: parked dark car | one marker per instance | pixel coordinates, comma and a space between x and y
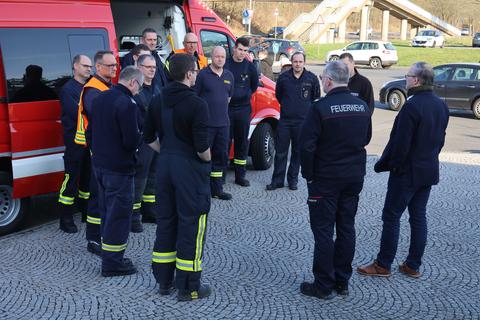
286, 48
271, 32
476, 40
457, 83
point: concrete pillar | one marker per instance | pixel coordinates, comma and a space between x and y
331, 35
385, 22
364, 23
413, 31
342, 31
403, 29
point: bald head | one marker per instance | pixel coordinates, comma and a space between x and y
218, 57
190, 43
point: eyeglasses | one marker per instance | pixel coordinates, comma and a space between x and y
191, 42
410, 76
113, 65
86, 65
148, 67
195, 71
324, 77
140, 87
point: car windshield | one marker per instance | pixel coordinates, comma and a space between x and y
389, 46
427, 33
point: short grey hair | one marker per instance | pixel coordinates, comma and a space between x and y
144, 57
130, 73
424, 73
337, 71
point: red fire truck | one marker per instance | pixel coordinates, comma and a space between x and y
47, 34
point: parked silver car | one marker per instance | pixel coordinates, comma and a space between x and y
476, 40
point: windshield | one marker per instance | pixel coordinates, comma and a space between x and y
427, 33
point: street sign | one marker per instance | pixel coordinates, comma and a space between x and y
276, 11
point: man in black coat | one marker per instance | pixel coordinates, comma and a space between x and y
359, 85
115, 137
333, 158
411, 157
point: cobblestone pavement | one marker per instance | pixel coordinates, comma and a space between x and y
258, 251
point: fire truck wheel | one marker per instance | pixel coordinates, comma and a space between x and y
262, 147
12, 211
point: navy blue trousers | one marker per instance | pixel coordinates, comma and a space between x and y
115, 199
143, 166
333, 206
239, 127
286, 133
183, 200
400, 195
218, 141
92, 231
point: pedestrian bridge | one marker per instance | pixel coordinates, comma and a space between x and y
327, 22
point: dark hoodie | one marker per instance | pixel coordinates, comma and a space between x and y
190, 116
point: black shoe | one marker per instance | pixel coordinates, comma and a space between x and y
342, 289
293, 187
136, 226
146, 218
222, 196
67, 225
186, 295
242, 182
273, 186
125, 269
95, 248
166, 290
309, 289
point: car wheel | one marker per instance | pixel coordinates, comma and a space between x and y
334, 58
476, 108
12, 211
395, 100
262, 147
375, 63
282, 56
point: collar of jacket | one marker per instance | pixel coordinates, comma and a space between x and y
419, 89
124, 89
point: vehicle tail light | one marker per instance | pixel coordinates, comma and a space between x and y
290, 50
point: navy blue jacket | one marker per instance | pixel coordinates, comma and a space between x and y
143, 100
417, 137
69, 98
215, 90
333, 137
296, 95
114, 130
246, 81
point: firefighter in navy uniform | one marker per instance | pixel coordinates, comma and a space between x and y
76, 158
177, 125
358, 85
114, 137
246, 83
106, 69
144, 198
215, 85
333, 158
296, 89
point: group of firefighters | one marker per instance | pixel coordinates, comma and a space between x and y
155, 148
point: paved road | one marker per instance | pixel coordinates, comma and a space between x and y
258, 251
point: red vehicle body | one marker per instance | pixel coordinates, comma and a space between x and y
48, 34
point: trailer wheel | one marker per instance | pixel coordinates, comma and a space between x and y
262, 147
12, 211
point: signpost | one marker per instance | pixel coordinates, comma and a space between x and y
276, 22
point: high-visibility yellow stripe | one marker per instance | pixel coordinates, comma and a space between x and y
202, 223
240, 162
216, 174
150, 198
164, 257
114, 247
185, 265
94, 220
66, 200
137, 205
83, 194
64, 183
